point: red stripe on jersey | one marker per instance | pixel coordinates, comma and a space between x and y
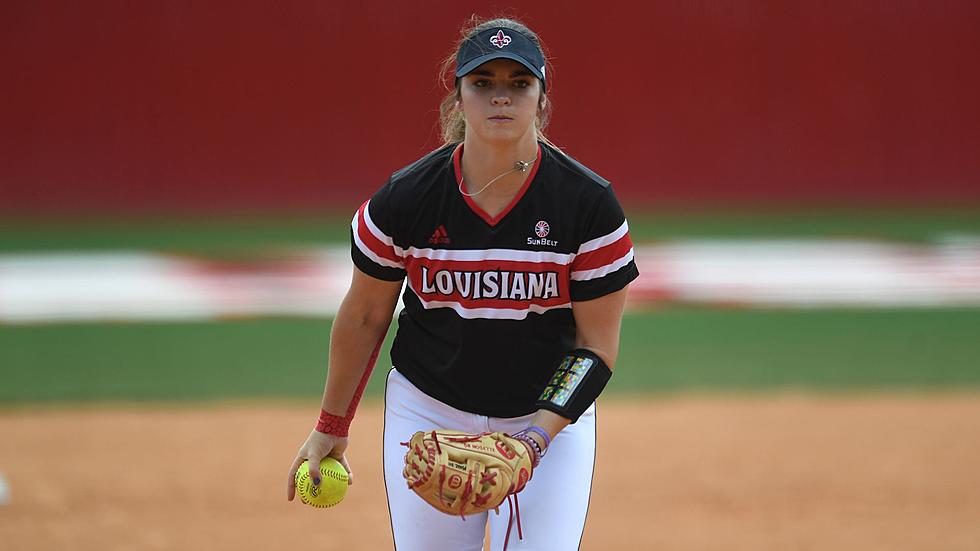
371, 241
604, 255
414, 262
489, 283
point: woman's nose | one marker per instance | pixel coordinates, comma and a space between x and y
500, 100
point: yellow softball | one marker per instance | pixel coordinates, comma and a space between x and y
332, 488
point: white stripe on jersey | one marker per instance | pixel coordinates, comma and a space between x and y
367, 250
599, 242
488, 313
471, 255
586, 275
490, 254
376, 231
515, 255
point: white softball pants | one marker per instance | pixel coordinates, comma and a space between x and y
553, 506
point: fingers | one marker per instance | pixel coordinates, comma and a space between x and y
313, 467
291, 482
316, 447
343, 462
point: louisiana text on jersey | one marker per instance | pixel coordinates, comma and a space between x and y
508, 280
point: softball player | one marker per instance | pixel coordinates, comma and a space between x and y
517, 260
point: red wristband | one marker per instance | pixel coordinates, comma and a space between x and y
333, 424
336, 425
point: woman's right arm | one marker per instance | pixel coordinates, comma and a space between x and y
360, 324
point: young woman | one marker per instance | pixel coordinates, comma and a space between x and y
517, 261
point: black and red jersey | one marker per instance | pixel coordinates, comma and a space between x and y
488, 302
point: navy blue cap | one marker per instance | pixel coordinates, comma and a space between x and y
499, 43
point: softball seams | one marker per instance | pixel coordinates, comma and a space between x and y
303, 487
304, 483
336, 476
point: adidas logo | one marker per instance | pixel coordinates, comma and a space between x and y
439, 237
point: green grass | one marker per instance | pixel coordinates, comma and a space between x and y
682, 349
224, 234
193, 234
676, 349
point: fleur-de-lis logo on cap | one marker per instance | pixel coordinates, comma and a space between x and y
500, 39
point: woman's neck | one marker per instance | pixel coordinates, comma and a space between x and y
483, 161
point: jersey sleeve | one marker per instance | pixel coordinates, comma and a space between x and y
373, 247
604, 261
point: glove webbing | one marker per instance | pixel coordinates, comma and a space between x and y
480, 499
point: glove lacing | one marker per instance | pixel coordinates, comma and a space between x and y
480, 499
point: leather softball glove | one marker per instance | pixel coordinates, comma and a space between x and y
463, 474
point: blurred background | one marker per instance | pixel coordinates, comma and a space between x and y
806, 171
802, 182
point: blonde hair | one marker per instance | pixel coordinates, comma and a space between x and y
451, 120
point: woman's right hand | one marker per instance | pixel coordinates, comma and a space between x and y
317, 446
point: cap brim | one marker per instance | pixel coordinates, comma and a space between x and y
474, 63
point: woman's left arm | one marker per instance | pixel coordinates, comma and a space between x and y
597, 324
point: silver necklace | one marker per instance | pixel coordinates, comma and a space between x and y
519, 166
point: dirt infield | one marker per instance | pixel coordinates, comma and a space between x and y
685, 473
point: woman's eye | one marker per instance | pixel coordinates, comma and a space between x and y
482, 83
521, 83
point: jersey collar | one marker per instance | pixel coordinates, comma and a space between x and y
492, 220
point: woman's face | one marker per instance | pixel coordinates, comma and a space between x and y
499, 100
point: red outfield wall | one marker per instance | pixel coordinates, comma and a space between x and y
111, 105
